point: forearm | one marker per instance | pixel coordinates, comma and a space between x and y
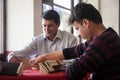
11, 54
13, 58
57, 55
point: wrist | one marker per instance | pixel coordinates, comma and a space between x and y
43, 57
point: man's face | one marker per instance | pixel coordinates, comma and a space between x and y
50, 28
82, 29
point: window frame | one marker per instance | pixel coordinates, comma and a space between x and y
119, 18
3, 27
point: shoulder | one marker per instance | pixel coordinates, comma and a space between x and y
66, 33
39, 37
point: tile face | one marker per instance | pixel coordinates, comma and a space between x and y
51, 66
26, 62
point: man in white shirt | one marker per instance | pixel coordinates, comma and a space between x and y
50, 40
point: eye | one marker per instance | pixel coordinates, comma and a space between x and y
76, 28
44, 25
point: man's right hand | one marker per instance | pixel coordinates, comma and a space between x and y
15, 59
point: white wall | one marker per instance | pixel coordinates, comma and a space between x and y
110, 13
95, 3
19, 23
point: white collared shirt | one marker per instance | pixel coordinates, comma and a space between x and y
40, 44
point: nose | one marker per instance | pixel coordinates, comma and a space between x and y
47, 28
79, 36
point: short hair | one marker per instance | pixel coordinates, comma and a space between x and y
85, 11
51, 15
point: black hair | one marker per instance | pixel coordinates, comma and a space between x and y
51, 15
85, 11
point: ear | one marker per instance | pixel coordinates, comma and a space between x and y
58, 25
86, 23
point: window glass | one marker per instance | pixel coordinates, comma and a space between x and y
64, 15
64, 3
46, 7
75, 2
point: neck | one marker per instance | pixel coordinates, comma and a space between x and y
99, 29
51, 38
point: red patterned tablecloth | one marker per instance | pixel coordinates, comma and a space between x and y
29, 74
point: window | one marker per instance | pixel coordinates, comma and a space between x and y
2, 26
63, 8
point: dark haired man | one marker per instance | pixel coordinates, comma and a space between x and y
52, 39
100, 55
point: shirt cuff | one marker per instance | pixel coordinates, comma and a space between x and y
10, 55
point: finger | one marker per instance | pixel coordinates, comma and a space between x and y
31, 62
18, 59
15, 59
12, 60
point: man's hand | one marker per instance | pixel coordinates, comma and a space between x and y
36, 60
15, 59
57, 55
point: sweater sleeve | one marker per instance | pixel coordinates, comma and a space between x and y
92, 58
73, 52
